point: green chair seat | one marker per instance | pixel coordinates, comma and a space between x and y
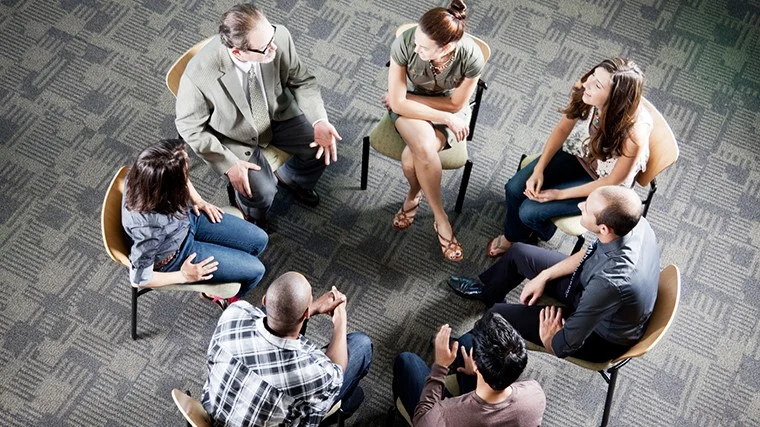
385, 139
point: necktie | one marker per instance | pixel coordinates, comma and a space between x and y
571, 287
259, 110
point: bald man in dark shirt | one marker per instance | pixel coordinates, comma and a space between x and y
608, 292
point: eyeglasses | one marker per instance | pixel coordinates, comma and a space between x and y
266, 48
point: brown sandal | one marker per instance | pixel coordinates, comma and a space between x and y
451, 249
495, 248
403, 220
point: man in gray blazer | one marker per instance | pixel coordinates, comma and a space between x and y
248, 88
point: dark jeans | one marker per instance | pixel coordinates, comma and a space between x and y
234, 243
303, 169
410, 373
523, 261
525, 216
359, 361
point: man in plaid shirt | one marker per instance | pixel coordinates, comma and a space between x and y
262, 371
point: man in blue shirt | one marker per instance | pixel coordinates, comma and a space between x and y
608, 292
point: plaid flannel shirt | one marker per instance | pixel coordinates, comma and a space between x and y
257, 378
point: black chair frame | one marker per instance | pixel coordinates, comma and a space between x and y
475, 106
136, 292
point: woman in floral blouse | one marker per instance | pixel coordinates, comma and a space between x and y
601, 139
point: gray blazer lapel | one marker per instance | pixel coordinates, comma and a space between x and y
232, 84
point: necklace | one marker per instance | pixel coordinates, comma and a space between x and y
438, 69
595, 120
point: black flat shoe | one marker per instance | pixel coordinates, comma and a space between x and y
466, 287
307, 197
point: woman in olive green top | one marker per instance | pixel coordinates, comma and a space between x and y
443, 66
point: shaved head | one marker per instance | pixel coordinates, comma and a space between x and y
622, 208
287, 298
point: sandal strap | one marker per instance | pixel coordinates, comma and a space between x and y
452, 245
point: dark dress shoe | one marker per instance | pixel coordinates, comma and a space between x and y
263, 224
307, 197
470, 288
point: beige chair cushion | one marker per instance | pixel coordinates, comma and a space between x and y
385, 139
334, 408
191, 409
275, 156
570, 225
582, 363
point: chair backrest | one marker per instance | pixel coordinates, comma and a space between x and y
663, 148
191, 409
668, 295
110, 220
178, 68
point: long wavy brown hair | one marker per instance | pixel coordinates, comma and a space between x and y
619, 114
157, 181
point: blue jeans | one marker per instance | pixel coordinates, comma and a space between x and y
525, 216
359, 361
234, 243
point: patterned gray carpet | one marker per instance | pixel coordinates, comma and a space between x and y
82, 91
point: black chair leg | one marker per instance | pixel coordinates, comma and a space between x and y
135, 294
231, 195
341, 421
578, 244
463, 186
610, 391
365, 162
390, 417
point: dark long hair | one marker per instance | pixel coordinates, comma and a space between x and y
444, 25
619, 114
157, 181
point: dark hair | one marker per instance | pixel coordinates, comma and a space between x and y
157, 181
622, 209
619, 114
443, 25
237, 23
498, 350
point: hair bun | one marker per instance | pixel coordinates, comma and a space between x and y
458, 9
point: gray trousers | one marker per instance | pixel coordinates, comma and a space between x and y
303, 170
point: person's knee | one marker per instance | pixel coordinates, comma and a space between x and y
360, 342
515, 251
403, 360
267, 192
532, 213
259, 240
515, 188
254, 271
407, 162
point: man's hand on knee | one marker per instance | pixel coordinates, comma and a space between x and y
534, 289
238, 176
